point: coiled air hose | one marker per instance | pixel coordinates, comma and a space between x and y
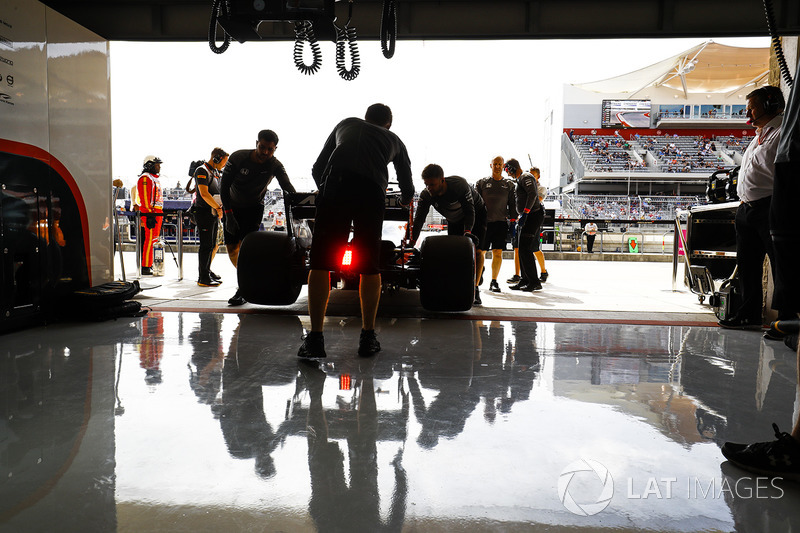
304, 31
776, 43
388, 28
218, 7
347, 35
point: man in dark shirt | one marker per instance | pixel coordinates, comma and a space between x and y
352, 178
245, 182
208, 212
531, 216
498, 195
455, 199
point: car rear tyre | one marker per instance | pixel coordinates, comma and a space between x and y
270, 269
447, 273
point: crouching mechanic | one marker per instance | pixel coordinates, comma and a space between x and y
244, 185
458, 202
352, 178
531, 216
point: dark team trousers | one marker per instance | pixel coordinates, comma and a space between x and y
786, 238
590, 242
529, 243
752, 243
207, 227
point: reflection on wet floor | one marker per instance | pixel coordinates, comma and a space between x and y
208, 422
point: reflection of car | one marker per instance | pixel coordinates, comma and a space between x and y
273, 266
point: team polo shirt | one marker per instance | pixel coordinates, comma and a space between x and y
245, 182
205, 175
458, 204
498, 195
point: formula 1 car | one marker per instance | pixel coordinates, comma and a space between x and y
273, 266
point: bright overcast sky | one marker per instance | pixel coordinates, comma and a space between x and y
457, 104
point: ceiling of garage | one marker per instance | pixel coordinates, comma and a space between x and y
188, 20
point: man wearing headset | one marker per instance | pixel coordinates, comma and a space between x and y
244, 185
457, 202
150, 200
531, 216
756, 175
208, 212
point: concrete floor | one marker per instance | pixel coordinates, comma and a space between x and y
598, 404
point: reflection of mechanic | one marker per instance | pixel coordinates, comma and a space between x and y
456, 200
498, 195
245, 182
756, 175
591, 233
208, 212
352, 177
150, 201
531, 216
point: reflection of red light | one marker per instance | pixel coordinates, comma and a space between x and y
344, 382
347, 258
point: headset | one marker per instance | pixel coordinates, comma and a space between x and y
773, 100
511, 169
217, 159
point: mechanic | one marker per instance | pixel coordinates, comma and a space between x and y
150, 202
462, 206
756, 175
531, 216
245, 182
208, 212
498, 195
352, 178
541, 191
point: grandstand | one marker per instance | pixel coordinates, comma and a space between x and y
659, 131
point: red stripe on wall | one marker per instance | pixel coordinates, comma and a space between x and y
34, 152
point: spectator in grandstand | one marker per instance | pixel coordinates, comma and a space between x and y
591, 232
459, 203
753, 241
781, 457
498, 195
531, 214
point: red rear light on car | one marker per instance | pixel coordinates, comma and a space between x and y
347, 258
344, 382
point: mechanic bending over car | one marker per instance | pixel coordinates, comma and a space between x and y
352, 178
245, 182
459, 203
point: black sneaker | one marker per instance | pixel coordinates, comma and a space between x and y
513, 279
530, 287
313, 346
477, 300
208, 283
368, 344
494, 286
147, 271
237, 299
214, 277
544, 276
519, 286
780, 457
739, 323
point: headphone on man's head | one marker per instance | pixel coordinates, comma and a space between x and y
217, 159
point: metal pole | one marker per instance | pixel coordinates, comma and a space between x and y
180, 245
675, 242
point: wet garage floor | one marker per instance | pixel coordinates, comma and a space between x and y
207, 422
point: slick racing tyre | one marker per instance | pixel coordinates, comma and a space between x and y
270, 269
447, 273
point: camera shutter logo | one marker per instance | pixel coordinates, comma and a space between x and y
603, 499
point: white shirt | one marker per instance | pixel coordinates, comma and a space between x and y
758, 163
590, 228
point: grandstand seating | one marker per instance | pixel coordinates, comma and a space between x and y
672, 153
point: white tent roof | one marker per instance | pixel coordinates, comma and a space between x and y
706, 68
